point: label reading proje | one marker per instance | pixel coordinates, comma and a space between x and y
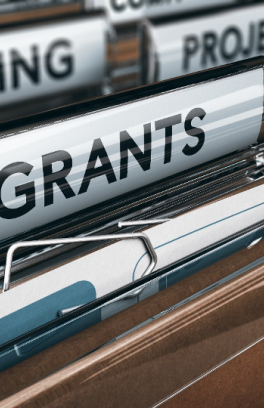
183, 47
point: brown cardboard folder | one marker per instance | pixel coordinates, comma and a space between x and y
158, 359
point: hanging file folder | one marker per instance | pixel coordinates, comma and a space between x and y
165, 353
89, 153
237, 255
29, 315
197, 214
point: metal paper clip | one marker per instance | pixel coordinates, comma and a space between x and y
23, 244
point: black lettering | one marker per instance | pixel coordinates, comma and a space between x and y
32, 72
66, 61
167, 124
209, 44
229, 32
248, 50
261, 37
191, 46
127, 143
27, 189
98, 152
58, 177
193, 131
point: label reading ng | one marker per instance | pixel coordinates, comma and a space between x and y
53, 58
80, 162
193, 45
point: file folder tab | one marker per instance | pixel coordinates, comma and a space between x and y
90, 153
49, 58
128, 11
175, 47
